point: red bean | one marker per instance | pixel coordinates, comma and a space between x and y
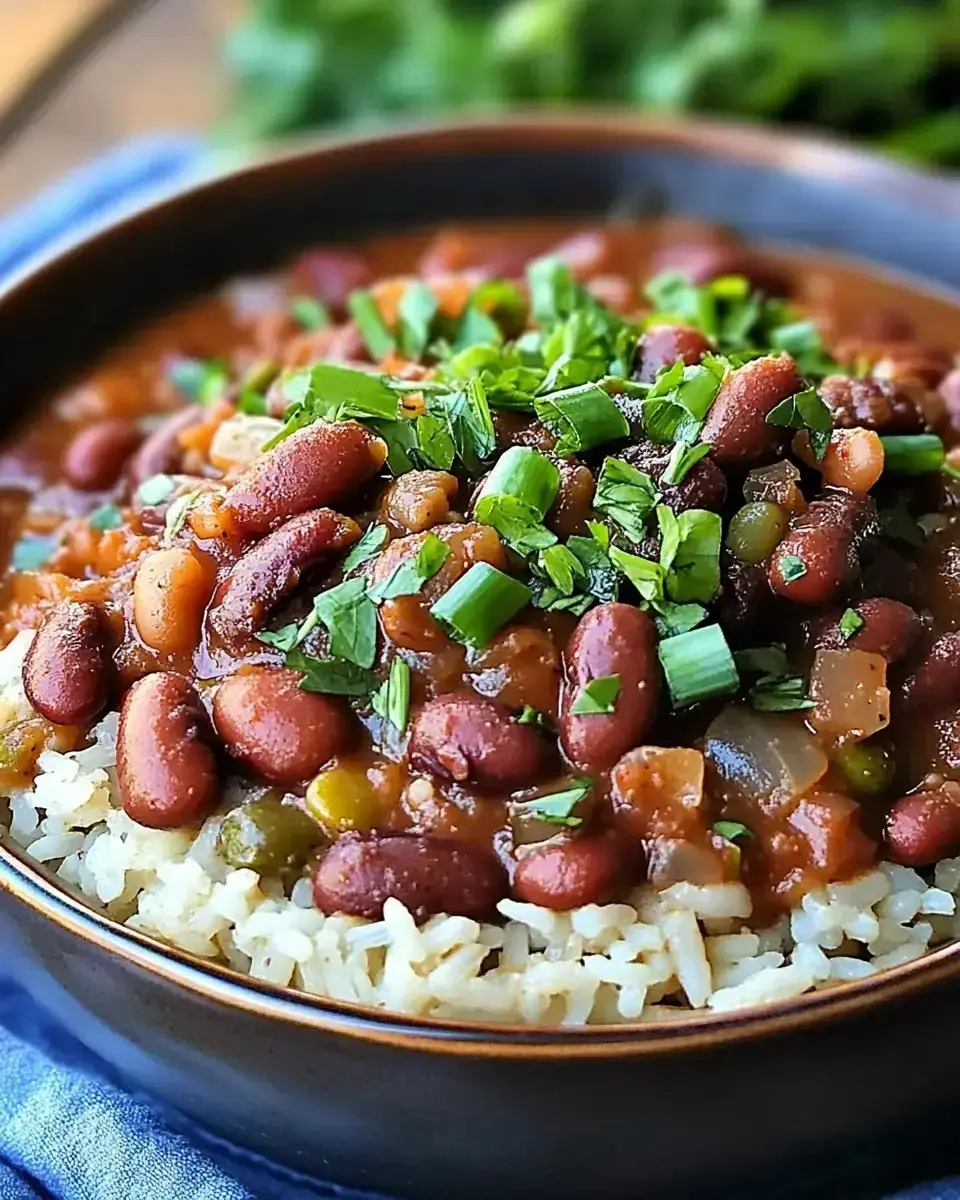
923, 828
703, 261
663, 345
470, 739
611, 639
165, 766
881, 405
96, 455
736, 424
276, 729
160, 454
745, 600
317, 466
67, 670
260, 579
818, 558
330, 273
889, 628
936, 681
427, 874
568, 874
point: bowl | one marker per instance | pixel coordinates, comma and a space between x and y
424, 1108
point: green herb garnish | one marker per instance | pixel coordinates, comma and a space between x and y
309, 313
557, 808
331, 676
31, 553
792, 568
913, 454
370, 543
107, 516
156, 489
350, 617
598, 696
479, 604
698, 665
850, 622
373, 329
392, 699
408, 578
806, 411
626, 495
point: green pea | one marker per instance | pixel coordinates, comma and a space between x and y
756, 530
268, 835
867, 769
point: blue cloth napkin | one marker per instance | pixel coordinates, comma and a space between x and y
67, 1129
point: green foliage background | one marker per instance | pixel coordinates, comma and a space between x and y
885, 70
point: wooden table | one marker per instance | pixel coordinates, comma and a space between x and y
158, 71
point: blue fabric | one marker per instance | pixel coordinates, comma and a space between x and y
67, 1131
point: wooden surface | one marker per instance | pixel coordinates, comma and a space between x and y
159, 71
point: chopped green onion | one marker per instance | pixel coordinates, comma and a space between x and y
308, 312
792, 568
731, 830
31, 553
392, 699
698, 665
683, 458
913, 454
107, 516
524, 475
409, 577
802, 341
331, 676
480, 603
156, 489
581, 418
626, 495
597, 696
850, 622
350, 617
806, 411
363, 308
557, 808
372, 541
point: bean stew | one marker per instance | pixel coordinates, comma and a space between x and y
528, 563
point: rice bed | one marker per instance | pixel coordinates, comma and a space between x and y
653, 958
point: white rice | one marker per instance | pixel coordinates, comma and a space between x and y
651, 959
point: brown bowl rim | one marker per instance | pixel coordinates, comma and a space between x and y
34, 885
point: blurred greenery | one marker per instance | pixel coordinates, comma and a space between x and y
885, 70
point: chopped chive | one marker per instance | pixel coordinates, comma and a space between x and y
731, 830
363, 308
479, 604
698, 665
913, 454
309, 313
850, 622
581, 418
392, 699
598, 696
524, 476
792, 567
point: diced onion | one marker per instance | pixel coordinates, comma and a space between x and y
850, 694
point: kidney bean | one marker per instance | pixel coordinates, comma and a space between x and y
889, 628
736, 424
170, 592
96, 455
611, 639
471, 739
703, 261
663, 345
936, 681
330, 273
568, 874
165, 766
276, 729
704, 486
260, 579
427, 874
67, 670
745, 601
826, 540
573, 505
312, 468
881, 405
160, 453
923, 828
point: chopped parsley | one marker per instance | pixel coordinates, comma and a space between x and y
409, 576
350, 618
156, 489
309, 313
805, 411
370, 543
558, 808
792, 568
626, 495
31, 553
107, 516
598, 696
334, 677
391, 700
850, 622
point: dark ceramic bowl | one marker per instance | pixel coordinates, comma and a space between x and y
707, 1105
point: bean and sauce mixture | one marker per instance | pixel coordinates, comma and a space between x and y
527, 561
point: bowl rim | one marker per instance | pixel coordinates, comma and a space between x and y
35, 886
